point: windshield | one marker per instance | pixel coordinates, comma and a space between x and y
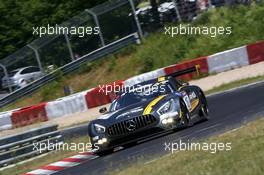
140, 94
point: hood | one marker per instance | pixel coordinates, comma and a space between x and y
137, 109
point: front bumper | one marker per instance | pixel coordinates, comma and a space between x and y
107, 141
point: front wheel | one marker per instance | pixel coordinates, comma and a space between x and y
185, 119
204, 111
104, 152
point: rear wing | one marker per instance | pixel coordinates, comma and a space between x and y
195, 68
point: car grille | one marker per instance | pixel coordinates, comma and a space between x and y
131, 125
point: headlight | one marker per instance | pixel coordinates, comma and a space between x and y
99, 128
167, 107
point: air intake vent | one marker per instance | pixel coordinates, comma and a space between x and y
131, 125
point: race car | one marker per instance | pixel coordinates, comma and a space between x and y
148, 108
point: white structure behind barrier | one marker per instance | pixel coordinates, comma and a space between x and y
228, 60
144, 77
5, 120
67, 105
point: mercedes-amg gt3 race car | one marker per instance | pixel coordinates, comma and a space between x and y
151, 107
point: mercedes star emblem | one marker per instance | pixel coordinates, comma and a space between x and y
130, 125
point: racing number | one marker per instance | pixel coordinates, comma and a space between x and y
187, 101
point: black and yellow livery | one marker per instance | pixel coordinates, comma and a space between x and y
154, 106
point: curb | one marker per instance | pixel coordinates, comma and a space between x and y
63, 164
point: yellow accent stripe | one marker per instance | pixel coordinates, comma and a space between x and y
180, 114
194, 104
181, 87
161, 79
148, 109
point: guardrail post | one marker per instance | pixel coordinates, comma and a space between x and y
6, 74
177, 10
37, 56
69, 46
140, 32
97, 24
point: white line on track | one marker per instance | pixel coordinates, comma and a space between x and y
209, 127
153, 160
235, 88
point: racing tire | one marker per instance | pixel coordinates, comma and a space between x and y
101, 152
130, 144
204, 111
185, 116
104, 152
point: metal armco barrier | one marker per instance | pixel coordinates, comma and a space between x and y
99, 53
25, 145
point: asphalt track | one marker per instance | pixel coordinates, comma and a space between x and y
228, 110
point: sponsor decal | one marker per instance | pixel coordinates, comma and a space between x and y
192, 95
148, 109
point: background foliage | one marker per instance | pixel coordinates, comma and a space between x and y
19, 17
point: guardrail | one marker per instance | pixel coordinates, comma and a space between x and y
103, 51
28, 144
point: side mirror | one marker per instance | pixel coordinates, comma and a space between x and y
103, 110
185, 83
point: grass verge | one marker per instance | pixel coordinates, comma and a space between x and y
235, 84
245, 157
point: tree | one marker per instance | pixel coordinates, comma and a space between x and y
19, 17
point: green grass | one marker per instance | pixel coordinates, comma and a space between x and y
245, 157
235, 84
159, 50
44, 160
